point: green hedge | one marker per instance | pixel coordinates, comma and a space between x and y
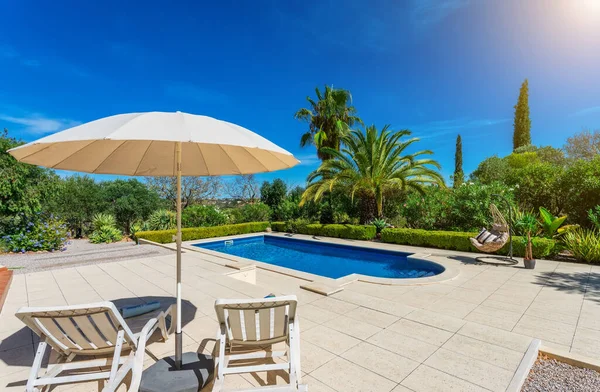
196, 233
542, 247
352, 232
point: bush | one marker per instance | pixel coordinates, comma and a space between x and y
257, 212
583, 244
353, 232
465, 208
162, 220
201, 216
196, 233
106, 235
35, 234
455, 240
105, 229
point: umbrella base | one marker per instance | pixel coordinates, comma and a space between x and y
162, 376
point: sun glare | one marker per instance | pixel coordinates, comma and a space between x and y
590, 5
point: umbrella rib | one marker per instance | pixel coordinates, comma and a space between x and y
232, 161
203, 160
142, 159
33, 153
109, 155
279, 159
255, 158
75, 152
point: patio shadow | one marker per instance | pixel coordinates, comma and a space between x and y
19, 348
576, 282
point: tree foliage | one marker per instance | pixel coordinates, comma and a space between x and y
273, 193
372, 163
244, 187
79, 198
522, 122
130, 200
459, 176
583, 145
24, 189
328, 118
194, 190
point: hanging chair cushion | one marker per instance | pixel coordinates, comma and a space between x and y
486, 236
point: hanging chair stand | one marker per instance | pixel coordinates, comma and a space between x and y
501, 260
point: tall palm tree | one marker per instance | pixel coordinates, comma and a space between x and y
372, 163
328, 118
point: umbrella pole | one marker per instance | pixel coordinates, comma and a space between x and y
178, 342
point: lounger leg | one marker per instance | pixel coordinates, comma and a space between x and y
37, 364
221, 361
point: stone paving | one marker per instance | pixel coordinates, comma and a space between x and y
467, 334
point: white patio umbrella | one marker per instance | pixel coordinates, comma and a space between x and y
158, 144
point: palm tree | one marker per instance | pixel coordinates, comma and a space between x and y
372, 163
328, 118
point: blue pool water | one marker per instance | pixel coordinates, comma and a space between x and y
326, 259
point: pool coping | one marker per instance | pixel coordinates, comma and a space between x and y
322, 284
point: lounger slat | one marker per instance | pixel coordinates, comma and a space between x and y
84, 323
265, 316
280, 324
54, 333
250, 323
105, 327
74, 334
235, 324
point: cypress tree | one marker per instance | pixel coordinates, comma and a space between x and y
459, 175
522, 123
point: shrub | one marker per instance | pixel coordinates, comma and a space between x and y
35, 234
257, 212
101, 220
583, 244
200, 216
162, 220
353, 232
196, 233
105, 229
455, 240
106, 235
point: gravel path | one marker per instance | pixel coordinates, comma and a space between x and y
80, 252
549, 375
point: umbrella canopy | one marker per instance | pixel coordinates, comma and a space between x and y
158, 144
145, 144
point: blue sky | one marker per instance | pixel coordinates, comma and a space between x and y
437, 67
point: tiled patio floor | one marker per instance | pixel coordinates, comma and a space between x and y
468, 334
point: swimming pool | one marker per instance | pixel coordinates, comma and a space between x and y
325, 259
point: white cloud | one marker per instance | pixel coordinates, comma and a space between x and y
308, 159
444, 127
586, 111
429, 12
38, 124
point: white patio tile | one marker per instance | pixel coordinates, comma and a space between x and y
447, 323
372, 317
496, 336
343, 375
472, 370
495, 355
406, 346
428, 379
380, 361
421, 332
352, 327
329, 339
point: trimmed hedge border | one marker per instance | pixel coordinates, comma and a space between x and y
197, 233
453, 240
351, 232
